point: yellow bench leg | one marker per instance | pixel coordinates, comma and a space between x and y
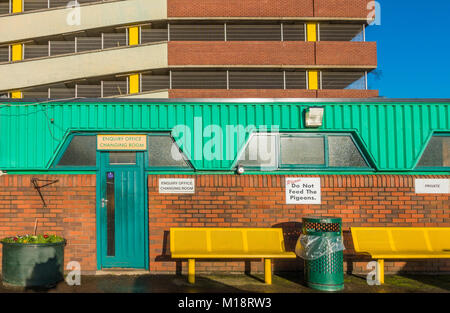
268, 271
380, 271
191, 271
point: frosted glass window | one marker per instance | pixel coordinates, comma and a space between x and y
302, 151
122, 158
342, 152
164, 152
437, 153
81, 151
260, 151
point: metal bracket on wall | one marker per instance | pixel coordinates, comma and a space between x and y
35, 182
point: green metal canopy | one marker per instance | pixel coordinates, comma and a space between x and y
393, 134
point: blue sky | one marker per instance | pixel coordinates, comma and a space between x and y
413, 43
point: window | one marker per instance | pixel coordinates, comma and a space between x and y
260, 151
342, 152
163, 152
302, 150
437, 153
122, 157
80, 152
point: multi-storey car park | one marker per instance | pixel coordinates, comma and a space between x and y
185, 49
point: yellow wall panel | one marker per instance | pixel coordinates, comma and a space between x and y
17, 6
313, 80
134, 83
311, 31
16, 95
16, 52
133, 36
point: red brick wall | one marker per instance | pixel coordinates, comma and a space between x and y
259, 201
346, 53
346, 93
271, 93
266, 8
70, 212
225, 201
340, 8
240, 53
241, 93
239, 8
272, 53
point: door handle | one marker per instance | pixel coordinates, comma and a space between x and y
104, 202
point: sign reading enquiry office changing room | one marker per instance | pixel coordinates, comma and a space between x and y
176, 185
122, 142
304, 190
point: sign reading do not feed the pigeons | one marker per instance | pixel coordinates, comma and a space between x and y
304, 190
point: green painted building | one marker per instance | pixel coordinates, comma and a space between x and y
391, 135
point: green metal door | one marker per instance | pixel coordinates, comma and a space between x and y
121, 200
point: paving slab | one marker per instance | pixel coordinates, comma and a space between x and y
230, 283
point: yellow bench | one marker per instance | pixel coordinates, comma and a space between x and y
228, 243
401, 243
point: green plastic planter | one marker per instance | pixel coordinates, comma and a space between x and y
32, 265
327, 272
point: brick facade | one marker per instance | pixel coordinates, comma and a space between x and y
361, 54
239, 8
234, 53
259, 201
271, 93
339, 8
261, 53
346, 93
70, 212
225, 201
266, 8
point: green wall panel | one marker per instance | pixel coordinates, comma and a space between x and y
393, 133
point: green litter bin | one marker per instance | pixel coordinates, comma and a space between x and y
325, 269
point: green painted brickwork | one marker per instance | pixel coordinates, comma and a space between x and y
393, 135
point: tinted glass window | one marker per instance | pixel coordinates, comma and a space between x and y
163, 152
343, 152
437, 153
260, 152
302, 151
80, 152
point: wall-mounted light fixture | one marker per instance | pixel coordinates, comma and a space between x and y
314, 117
240, 170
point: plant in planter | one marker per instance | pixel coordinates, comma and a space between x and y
32, 260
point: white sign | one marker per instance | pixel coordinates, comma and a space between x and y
176, 185
303, 190
432, 185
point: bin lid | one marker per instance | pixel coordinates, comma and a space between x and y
322, 219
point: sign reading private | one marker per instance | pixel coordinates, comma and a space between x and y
176, 185
304, 190
122, 142
432, 185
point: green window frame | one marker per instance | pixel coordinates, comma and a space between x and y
260, 168
55, 164
310, 167
66, 143
432, 167
187, 168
